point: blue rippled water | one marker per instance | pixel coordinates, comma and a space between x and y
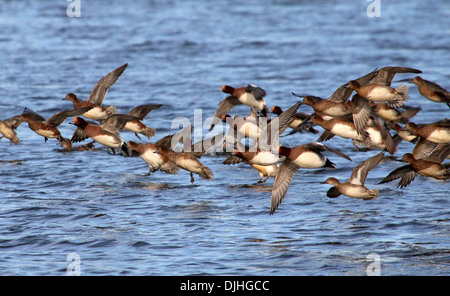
121, 222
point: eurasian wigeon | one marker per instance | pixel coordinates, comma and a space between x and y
431, 90
436, 132
307, 156
430, 166
354, 186
265, 132
390, 114
337, 126
96, 112
380, 93
188, 162
258, 157
338, 104
97, 96
266, 171
254, 152
379, 88
328, 107
149, 152
8, 129
358, 108
373, 135
47, 128
250, 95
136, 126
106, 134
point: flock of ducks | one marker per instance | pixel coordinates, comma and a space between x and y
364, 110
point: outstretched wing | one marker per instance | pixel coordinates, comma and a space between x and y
101, 88
386, 74
256, 91
359, 174
116, 122
142, 111
59, 117
283, 180
319, 147
406, 173
343, 93
224, 107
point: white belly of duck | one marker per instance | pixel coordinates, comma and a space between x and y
250, 130
310, 160
154, 160
46, 133
133, 126
7, 131
96, 113
433, 171
109, 141
381, 93
189, 164
358, 192
295, 123
249, 99
266, 170
375, 137
390, 114
265, 158
345, 131
439, 136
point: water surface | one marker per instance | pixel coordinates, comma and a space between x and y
121, 222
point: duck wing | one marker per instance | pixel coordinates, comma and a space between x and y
142, 111
116, 122
360, 172
440, 153
385, 75
58, 118
406, 173
98, 94
224, 107
233, 159
178, 137
14, 122
281, 122
343, 93
319, 147
33, 114
256, 91
283, 180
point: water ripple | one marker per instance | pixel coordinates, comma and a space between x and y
122, 222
